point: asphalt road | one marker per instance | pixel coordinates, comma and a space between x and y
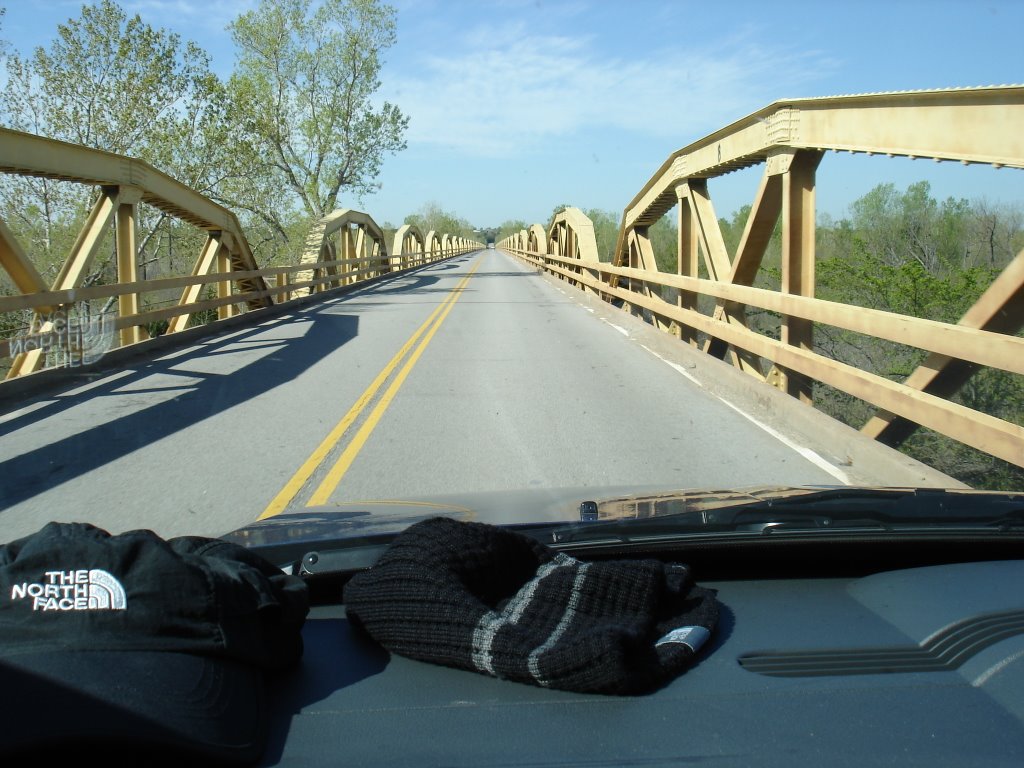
509, 383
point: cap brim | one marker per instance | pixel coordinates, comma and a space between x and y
133, 700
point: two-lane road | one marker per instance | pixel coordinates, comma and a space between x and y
472, 375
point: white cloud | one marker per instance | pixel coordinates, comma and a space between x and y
505, 90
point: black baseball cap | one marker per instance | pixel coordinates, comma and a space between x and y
136, 643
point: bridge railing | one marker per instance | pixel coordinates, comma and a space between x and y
65, 329
789, 139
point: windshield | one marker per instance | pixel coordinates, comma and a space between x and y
341, 266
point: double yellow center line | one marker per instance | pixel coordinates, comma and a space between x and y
322, 494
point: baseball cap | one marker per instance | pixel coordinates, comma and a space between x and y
138, 643
492, 600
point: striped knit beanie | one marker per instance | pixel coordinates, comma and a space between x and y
491, 600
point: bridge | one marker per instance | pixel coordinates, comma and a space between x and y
426, 367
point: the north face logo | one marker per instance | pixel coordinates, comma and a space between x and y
81, 590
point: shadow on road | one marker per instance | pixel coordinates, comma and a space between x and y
406, 284
204, 395
201, 394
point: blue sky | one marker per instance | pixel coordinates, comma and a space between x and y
517, 106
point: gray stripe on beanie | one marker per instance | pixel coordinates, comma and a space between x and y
570, 611
492, 621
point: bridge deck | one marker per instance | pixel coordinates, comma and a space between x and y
513, 383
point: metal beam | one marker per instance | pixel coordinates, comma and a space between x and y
1000, 309
30, 155
968, 125
24, 275
687, 257
127, 303
979, 430
798, 260
207, 258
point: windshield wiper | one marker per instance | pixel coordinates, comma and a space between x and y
736, 516
806, 511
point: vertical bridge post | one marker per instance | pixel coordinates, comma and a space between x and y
798, 180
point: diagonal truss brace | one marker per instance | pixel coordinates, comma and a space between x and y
18, 266
787, 191
74, 271
213, 252
999, 309
720, 268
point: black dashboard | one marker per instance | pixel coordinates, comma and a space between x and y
907, 666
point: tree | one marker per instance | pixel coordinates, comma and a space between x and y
606, 232
908, 253
302, 92
107, 81
115, 83
432, 217
510, 227
665, 242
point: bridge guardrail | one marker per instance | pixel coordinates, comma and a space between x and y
789, 138
343, 248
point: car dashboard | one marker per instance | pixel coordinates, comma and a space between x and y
839, 664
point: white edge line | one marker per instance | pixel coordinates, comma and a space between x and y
618, 328
679, 369
812, 456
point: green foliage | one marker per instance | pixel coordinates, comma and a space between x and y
510, 227
204, 316
108, 81
664, 235
431, 216
486, 235
301, 97
157, 328
115, 83
910, 254
292, 129
903, 252
897, 227
732, 229
866, 279
606, 232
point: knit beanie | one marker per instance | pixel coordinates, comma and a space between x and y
491, 600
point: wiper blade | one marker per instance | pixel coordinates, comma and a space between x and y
801, 510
